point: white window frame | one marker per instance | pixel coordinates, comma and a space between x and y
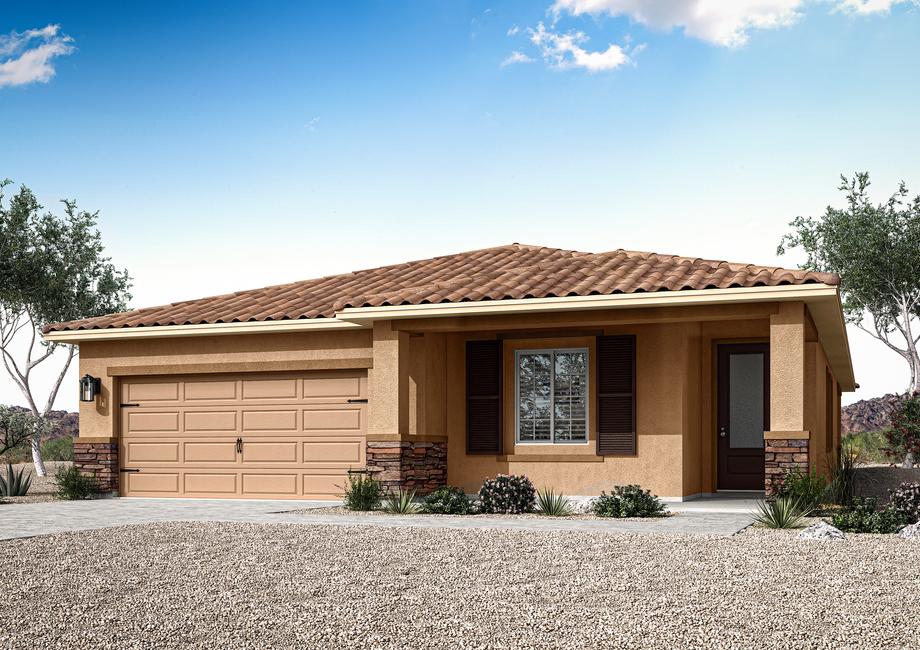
552, 392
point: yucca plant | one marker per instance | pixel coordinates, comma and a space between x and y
401, 503
15, 484
783, 512
553, 505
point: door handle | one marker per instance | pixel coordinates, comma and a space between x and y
239, 445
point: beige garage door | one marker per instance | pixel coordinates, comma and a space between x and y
268, 436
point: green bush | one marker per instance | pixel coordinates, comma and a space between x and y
507, 495
448, 500
401, 503
783, 512
807, 489
60, 449
843, 473
906, 500
904, 434
628, 501
863, 516
868, 447
72, 485
363, 492
15, 483
553, 505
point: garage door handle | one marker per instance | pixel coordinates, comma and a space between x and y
239, 445
363, 400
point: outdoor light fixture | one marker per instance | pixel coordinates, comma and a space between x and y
89, 388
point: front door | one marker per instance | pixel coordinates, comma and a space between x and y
743, 414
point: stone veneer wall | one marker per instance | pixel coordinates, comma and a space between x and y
419, 466
782, 456
98, 460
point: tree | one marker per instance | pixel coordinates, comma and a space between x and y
876, 251
18, 427
904, 434
52, 269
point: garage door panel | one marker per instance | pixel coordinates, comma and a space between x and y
210, 421
210, 484
165, 483
210, 452
152, 452
163, 422
270, 420
269, 389
350, 451
299, 435
270, 452
210, 390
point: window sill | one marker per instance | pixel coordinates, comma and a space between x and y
551, 458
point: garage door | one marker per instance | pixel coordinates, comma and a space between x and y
271, 436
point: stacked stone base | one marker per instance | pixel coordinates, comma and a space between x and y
98, 460
782, 456
408, 465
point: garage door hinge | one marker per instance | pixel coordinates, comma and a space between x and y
128, 470
129, 404
358, 401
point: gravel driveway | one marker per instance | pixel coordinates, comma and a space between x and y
229, 585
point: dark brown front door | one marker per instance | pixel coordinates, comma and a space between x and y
744, 414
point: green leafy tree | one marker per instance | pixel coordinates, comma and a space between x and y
52, 269
875, 248
18, 428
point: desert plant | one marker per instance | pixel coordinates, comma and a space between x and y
363, 492
507, 494
906, 500
553, 505
73, 485
448, 500
785, 511
15, 483
60, 449
628, 501
401, 503
863, 516
867, 447
806, 488
904, 433
843, 473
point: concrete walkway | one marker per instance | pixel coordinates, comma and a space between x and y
31, 519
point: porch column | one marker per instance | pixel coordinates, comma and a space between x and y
786, 444
399, 453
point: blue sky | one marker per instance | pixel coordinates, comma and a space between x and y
232, 145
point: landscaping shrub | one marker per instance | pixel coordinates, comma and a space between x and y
904, 434
72, 485
906, 500
805, 488
628, 501
363, 492
553, 505
58, 449
868, 447
865, 517
785, 511
402, 503
843, 473
15, 483
507, 494
448, 500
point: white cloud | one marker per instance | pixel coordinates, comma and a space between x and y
866, 7
311, 125
566, 51
514, 29
516, 57
29, 54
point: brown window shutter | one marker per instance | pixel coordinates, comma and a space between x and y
484, 397
616, 395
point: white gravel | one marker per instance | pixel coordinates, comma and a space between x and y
265, 586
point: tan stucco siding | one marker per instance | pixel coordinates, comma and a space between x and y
221, 354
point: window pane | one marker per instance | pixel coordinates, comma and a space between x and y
570, 396
534, 399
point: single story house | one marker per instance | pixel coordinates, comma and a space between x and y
580, 370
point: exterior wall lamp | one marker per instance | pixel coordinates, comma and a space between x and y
89, 388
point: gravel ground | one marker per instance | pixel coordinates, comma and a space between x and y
341, 510
43, 488
266, 586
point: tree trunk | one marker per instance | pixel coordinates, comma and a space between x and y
37, 456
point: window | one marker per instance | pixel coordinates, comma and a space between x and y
552, 395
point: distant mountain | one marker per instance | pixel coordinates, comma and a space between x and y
65, 423
869, 414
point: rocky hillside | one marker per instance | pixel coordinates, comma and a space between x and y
65, 423
868, 414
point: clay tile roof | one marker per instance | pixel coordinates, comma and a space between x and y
505, 272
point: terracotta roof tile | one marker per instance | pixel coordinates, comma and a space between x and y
501, 273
